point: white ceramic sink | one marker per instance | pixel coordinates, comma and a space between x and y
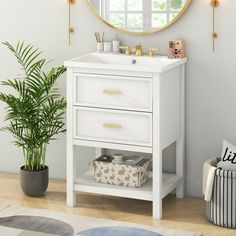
122, 62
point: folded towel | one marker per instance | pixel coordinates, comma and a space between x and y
209, 168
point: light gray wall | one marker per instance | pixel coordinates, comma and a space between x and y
96, 4
211, 84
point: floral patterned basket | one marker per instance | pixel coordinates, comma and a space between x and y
121, 174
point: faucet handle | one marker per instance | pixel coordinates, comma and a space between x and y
152, 51
138, 46
127, 50
138, 50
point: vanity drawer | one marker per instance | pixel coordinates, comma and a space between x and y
118, 92
114, 126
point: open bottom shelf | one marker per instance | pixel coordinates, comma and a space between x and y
86, 183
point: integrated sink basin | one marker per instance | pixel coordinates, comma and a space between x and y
156, 64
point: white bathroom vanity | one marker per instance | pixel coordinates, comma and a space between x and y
126, 103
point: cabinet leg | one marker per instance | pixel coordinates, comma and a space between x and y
71, 176
157, 185
180, 189
180, 144
71, 198
157, 209
156, 152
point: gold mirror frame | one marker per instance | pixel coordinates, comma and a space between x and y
139, 33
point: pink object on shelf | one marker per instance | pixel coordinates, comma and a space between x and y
176, 49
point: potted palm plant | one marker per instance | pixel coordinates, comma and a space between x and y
34, 113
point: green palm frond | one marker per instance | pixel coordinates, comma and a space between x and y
36, 113
27, 56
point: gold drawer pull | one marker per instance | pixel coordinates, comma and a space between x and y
112, 126
112, 92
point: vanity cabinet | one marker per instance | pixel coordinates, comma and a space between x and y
132, 108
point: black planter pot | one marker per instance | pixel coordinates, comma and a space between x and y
34, 183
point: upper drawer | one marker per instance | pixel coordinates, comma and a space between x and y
117, 92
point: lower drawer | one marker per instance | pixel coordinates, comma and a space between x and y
114, 126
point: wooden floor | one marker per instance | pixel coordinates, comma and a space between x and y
185, 214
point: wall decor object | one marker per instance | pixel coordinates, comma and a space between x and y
214, 4
139, 16
70, 29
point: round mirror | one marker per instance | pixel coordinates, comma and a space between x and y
139, 16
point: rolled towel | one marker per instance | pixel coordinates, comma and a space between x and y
209, 168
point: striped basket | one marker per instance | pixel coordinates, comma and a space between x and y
221, 210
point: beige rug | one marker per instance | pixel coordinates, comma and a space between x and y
21, 221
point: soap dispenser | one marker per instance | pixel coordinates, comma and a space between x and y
116, 45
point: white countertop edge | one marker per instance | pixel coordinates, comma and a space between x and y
72, 63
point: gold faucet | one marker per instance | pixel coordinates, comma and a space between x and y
138, 50
127, 50
152, 51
